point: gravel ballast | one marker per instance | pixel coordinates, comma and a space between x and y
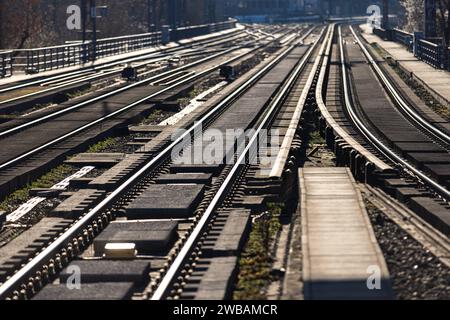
416, 273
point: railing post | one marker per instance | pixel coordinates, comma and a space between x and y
417, 36
11, 58
166, 34
448, 58
440, 52
3, 66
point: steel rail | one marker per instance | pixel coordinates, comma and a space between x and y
173, 84
395, 94
373, 138
80, 79
138, 57
91, 124
103, 72
179, 261
109, 94
43, 257
277, 169
182, 80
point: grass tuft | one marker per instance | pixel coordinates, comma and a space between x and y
103, 145
46, 181
255, 264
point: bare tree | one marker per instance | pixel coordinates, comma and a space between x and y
444, 20
414, 10
444, 26
21, 21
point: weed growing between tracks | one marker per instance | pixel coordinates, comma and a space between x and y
157, 116
255, 264
20, 196
103, 145
315, 139
417, 88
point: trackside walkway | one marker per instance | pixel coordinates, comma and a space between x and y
435, 80
341, 256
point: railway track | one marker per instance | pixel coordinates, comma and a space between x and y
163, 54
391, 130
370, 132
139, 243
31, 154
63, 80
19, 99
266, 85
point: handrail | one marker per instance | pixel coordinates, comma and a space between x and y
378, 143
403, 32
6, 61
35, 60
429, 43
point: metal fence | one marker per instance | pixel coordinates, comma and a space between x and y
119, 45
405, 38
49, 58
195, 31
427, 51
382, 33
56, 57
430, 53
448, 58
6, 64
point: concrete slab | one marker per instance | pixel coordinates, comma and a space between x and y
157, 202
93, 271
231, 236
338, 243
88, 291
217, 279
146, 129
404, 194
197, 178
150, 237
195, 168
433, 211
79, 203
96, 159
